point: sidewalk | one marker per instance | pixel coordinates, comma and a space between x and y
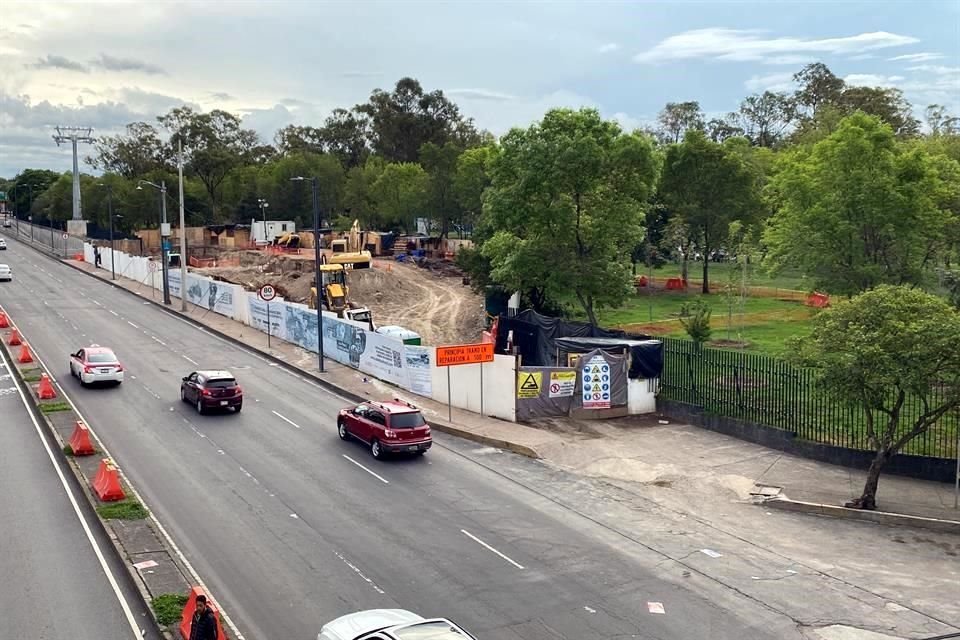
632, 450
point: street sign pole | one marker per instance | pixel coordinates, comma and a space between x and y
449, 398
269, 322
453, 355
481, 388
267, 293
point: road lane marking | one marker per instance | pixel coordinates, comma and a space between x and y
132, 325
158, 340
124, 605
489, 548
114, 312
189, 359
285, 419
97, 303
371, 472
360, 573
151, 392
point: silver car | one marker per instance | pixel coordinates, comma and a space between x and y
3, 244
391, 624
5, 273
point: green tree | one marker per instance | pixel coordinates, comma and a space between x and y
887, 104
565, 208
858, 210
27, 186
708, 186
677, 118
440, 163
818, 88
695, 319
471, 179
132, 154
345, 134
296, 139
400, 194
876, 351
766, 117
358, 200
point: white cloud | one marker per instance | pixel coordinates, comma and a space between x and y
479, 94
607, 48
865, 56
936, 69
770, 82
750, 45
917, 57
872, 80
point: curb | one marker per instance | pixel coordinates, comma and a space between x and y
877, 517
444, 427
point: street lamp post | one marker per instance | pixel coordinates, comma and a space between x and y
183, 232
164, 234
316, 261
263, 215
113, 269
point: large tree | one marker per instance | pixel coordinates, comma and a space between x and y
766, 117
440, 163
859, 209
708, 186
818, 87
887, 351
471, 179
132, 154
565, 207
345, 135
887, 104
400, 194
676, 118
358, 197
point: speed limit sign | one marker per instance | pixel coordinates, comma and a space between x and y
153, 266
267, 293
65, 236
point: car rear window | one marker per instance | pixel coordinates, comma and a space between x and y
407, 420
222, 383
101, 358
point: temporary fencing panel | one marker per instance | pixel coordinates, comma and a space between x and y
545, 391
498, 383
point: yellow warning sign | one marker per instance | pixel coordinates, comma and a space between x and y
529, 384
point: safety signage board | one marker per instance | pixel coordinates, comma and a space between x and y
529, 384
464, 354
596, 383
562, 383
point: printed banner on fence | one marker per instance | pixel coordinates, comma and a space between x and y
278, 318
562, 383
418, 369
210, 294
372, 353
173, 277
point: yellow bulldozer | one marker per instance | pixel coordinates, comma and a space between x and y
335, 294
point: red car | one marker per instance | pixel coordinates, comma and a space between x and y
212, 390
387, 427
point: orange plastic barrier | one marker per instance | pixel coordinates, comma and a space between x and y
25, 356
4, 323
186, 619
818, 300
674, 284
80, 440
15, 338
106, 484
45, 390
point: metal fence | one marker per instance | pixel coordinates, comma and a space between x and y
774, 393
50, 238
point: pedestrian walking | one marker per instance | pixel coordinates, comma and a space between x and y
204, 625
96, 257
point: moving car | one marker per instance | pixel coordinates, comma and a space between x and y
3, 244
212, 389
96, 364
6, 223
5, 273
386, 427
391, 624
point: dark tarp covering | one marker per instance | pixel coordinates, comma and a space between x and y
646, 356
535, 337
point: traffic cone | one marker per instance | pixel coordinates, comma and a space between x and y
15, 339
4, 323
45, 390
80, 440
106, 483
25, 356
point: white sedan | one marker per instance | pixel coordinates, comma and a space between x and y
96, 364
5, 273
391, 624
3, 244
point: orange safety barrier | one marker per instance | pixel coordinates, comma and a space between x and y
674, 284
15, 338
80, 440
640, 281
25, 356
78, 257
45, 390
4, 323
818, 300
106, 484
186, 619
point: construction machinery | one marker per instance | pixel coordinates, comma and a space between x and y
288, 241
349, 251
334, 294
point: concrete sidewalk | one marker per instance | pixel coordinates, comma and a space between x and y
638, 449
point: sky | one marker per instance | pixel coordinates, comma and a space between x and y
274, 63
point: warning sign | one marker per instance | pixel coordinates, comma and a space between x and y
562, 383
529, 384
595, 388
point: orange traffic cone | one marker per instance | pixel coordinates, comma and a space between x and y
80, 440
15, 339
25, 356
4, 323
45, 390
106, 483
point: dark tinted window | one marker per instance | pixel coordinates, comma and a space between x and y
377, 417
221, 383
407, 420
101, 358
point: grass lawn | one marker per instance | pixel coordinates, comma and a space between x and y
721, 272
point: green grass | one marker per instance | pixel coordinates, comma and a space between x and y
128, 509
720, 273
30, 375
169, 608
52, 407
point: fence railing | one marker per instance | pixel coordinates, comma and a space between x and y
50, 238
774, 393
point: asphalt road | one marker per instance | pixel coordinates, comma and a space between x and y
290, 527
54, 585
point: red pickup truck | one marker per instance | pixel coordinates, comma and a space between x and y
386, 427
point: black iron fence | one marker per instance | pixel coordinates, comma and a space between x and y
774, 393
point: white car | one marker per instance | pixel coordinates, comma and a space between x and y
391, 624
5, 273
96, 364
3, 244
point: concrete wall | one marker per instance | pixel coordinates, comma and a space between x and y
498, 387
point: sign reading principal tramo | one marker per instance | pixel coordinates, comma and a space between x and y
464, 354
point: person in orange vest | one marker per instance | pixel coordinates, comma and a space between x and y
204, 625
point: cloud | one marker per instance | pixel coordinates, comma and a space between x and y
770, 82
936, 69
111, 63
220, 95
149, 101
917, 57
361, 74
872, 80
479, 94
607, 48
863, 56
750, 45
59, 62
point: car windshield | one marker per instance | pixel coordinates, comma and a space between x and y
101, 358
222, 383
436, 630
407, 420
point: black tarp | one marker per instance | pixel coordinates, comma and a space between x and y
535, 337
646, 356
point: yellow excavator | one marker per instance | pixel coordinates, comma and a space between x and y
288, 241
335, 293
349, 251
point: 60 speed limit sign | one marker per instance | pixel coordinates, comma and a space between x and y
267, 292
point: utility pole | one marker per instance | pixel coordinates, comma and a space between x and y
75, 135
164, 237
316, 261
183, 233
263, 215
113, 260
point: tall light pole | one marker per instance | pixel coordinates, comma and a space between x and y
263, 215
183, 233
316, 261
164, 234
113, 269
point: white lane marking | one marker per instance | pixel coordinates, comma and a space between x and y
97, 303
489, 548
371, 472
127, 612
156, 521
360, 573
189, 359
285, 419
152, 392
132, 325
589, 610
113, 312
158, 340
